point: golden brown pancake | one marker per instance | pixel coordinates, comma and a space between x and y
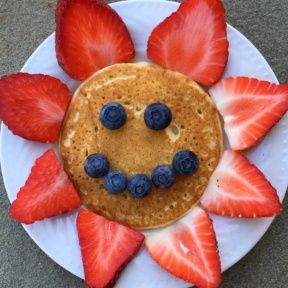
136, 149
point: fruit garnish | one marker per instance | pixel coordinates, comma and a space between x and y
47, 192
139, 186
113, 115
33, 105
188, 249
185, 162
157, 116
193, 41
96, 165
115, 182
238, 189
250, 108
163, 176
106, 248
90, 35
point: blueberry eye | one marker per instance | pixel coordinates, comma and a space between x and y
115, 182
113, 115
163, 176
157, 116
139, 185
185, 162
96, 165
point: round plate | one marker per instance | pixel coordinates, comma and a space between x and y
57, 237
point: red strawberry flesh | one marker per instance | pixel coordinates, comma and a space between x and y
193, 41
188, 250
106, 247
47, 192
238, 189
33, 105
90, 35
250, 108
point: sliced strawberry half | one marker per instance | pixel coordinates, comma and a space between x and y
250, 108
106, 248
188, 250
47, 192
193, 41
90, 35
33, 106
238, 189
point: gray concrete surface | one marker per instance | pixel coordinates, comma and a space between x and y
24, 24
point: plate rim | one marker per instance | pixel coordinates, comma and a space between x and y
266, 226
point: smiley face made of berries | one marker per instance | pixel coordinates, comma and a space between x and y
112, 114
157, 116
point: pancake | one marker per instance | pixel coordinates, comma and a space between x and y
136, 149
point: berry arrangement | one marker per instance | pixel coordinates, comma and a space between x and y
193, 41
157, 116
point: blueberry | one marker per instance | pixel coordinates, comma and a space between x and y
113, 115
157, 116
139, 185
115, 182
163, 176
96, 165
185, 162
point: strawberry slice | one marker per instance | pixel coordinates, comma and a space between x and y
106, 248
47, 192
33, 106
90, 35
238, 189
193, 41
188, 250
250, 108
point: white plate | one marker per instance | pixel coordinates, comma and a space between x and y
58, 237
